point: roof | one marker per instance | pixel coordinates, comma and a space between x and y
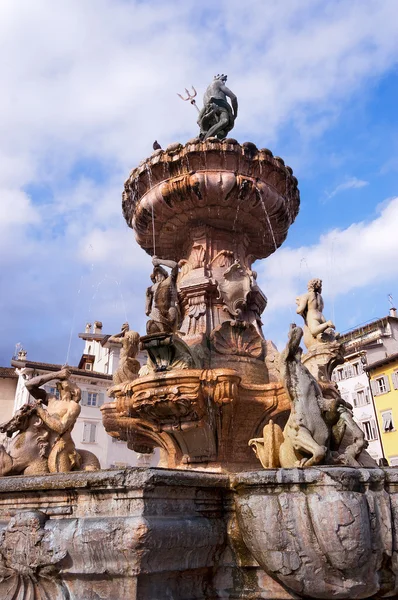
90, 358
8, 372
31, 364
349, 335
92, 336
382, 361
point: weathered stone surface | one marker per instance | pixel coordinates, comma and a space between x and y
197, 417
220, 185
40, 431
137, 534
210, 208
322, 533
149, 534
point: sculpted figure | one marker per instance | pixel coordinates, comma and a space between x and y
217, 117
310, 307
128, 364
162, 298
319, 416
43, 441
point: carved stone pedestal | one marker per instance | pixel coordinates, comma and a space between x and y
138, 534
199, 418
321, 359
154, 534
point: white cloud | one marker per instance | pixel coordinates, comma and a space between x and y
351, 184
88, 86
346, 259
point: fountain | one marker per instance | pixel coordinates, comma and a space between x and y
318, 520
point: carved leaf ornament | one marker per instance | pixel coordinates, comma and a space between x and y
28, 560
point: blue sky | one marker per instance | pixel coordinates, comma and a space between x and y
88, 86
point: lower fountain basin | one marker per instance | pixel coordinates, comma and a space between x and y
323, 533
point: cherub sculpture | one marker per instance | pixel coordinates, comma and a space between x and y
217, 117
128, 364
43, 442
310, 306
162, 298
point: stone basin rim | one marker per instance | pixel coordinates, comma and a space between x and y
329, 475
113, 479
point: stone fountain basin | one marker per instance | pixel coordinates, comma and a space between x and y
224, 185
323, 533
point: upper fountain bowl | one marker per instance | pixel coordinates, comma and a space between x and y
222, 184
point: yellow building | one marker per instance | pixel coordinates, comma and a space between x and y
384, 385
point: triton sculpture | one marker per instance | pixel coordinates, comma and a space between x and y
43, 441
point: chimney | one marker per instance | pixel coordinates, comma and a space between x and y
88, 327
97, 327
393, 312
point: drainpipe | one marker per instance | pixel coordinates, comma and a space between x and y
364, 363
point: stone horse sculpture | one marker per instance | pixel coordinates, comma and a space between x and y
320, 421
319, 416
43, 442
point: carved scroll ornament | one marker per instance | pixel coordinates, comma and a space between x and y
29, 560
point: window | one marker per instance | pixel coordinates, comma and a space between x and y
356, 369
381, 385
54, 392
89, 432
369, 429
92, 399
361, 398
388, 423
88, 366
340, 374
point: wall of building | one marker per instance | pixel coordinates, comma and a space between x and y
8, 386
354, 388
384, 381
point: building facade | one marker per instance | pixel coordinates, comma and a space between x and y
8, 387
364, 347
353, 384
384, 385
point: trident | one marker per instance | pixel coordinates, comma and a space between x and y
190, 97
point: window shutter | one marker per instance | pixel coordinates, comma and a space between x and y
367, 399
373, 385
92, 432
355, 399
101, 399
348, 371
394, 380
84, 399
387, 383
86, 432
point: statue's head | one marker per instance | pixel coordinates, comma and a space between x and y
69, 391
159, 274
315, 285
125, 327
221, 77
